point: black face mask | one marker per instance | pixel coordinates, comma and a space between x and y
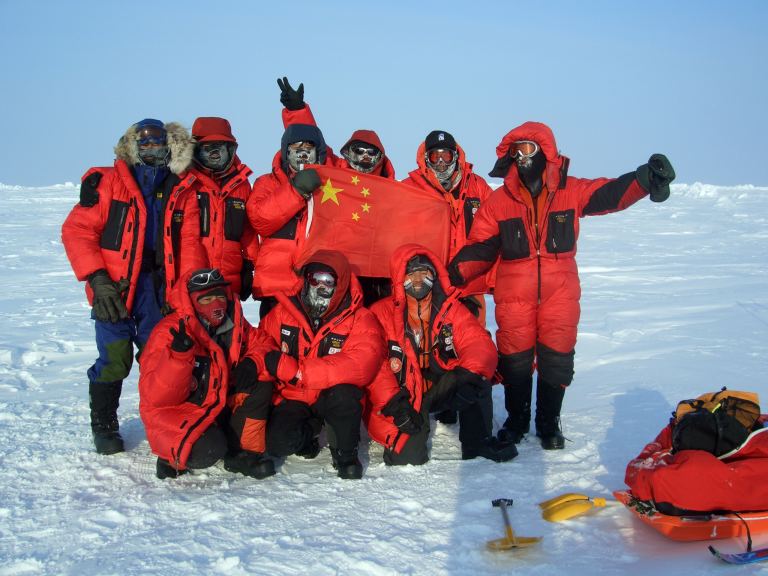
531, 172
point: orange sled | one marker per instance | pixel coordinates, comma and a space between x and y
706, 526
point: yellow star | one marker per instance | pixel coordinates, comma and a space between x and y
366, 207
355, 180
329, 193
355, 216
365, 192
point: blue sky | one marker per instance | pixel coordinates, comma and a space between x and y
616, 81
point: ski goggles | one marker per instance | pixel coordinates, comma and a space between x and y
361, 151
203, 279
523, 148
319, 278
148, 135
445, 154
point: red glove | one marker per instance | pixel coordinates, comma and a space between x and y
282, 366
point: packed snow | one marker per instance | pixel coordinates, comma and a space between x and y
675, 303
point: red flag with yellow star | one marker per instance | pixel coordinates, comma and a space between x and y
368, 217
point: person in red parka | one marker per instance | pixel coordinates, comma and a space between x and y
442, 168
130, 238
204, 391
330, 350
363, 152
532, 223
441, 359
219, 180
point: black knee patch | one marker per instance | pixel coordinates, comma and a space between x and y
208, 449
516, 368
556, 368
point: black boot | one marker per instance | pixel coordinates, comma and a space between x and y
549, 401
347, 464
164, 470
252, 464
516, 373
104, 400
447, 417
491, 448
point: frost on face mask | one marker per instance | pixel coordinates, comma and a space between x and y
214, 155
301, 153
154, 155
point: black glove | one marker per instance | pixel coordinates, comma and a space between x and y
108, 305
403, 414
181, 341
286, 373
656, 176
290, 98
306, 182
245, 375
89, 195
470, 387
246, 280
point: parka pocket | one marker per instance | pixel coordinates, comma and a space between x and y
471, 206
289, 340
234, 219
514, 240
561, 231
204, 203
177, 221
201, 375
112, 236
287, 232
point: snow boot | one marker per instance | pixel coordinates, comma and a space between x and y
447, 417
516, 374
252, 464
492, 449
104, 399
549, 401
164, 470
347, 464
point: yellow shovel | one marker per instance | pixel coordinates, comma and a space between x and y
509, 541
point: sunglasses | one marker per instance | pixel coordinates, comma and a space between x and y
364, 150
327, 279
523, 148
205, 278
445, 154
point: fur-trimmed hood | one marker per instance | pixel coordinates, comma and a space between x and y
180, 143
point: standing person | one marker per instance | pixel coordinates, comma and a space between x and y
330, 350
220, 182
532, 223
278, 210
130, 237
443, 169
363, 153
441, 358
204, 391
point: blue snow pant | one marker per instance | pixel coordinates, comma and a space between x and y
115, 340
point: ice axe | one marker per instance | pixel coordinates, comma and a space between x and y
509, 540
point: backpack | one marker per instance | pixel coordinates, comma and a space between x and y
716, 422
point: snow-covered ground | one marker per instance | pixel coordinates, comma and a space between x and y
675, 303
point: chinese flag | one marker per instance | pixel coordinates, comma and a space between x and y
368, 217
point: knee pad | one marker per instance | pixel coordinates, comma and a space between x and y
556, 368
516, 368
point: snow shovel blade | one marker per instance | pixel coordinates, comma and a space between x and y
509, 540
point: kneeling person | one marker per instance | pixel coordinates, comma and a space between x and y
204, 391
330, 350
442, 359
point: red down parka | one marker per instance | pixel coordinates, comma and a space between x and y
110, 234
459, 341
698, 481
348, 348
465, 199
225, 231
537, 288
182, 393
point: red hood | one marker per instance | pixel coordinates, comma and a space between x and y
340, 265
385, 169
399, 261
540, 133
